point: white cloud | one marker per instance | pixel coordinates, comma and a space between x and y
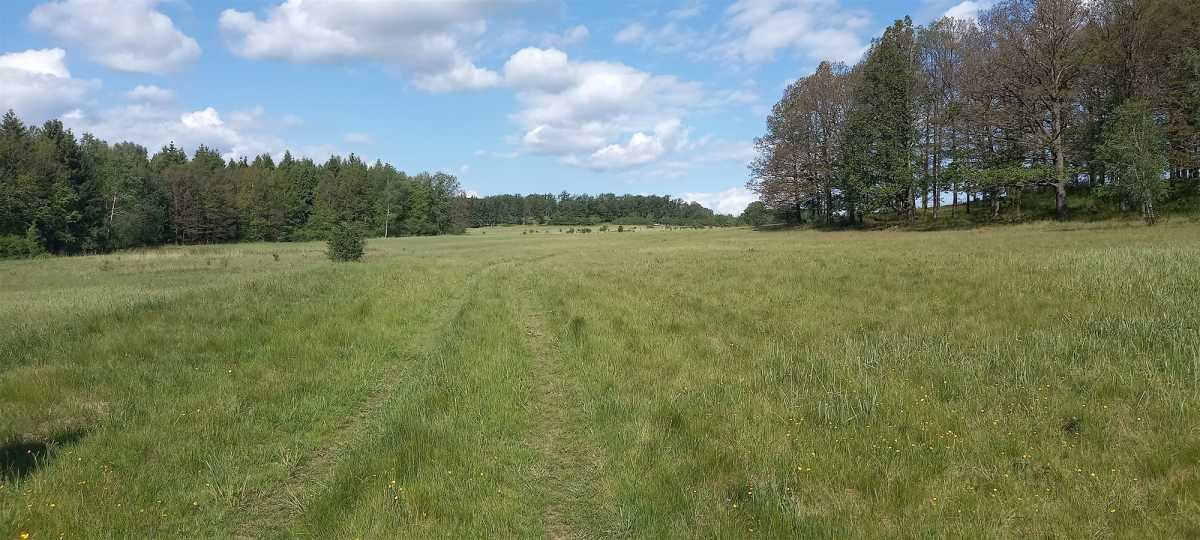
601, 115
425, 38
544, 69
235, 134
358, 138
463, 76
150, 92
639, 149
731, 201
968, 9
128, 35
757, 31
37, 84
817, 29
38, 62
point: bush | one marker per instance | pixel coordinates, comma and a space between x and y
346, 243
620, 228
21, 247
604, 228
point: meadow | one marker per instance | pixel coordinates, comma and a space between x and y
1035, 380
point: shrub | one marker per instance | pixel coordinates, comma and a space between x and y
21, 247
620, 228
604, 228
346, 243
585, 230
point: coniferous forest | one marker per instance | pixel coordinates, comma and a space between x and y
65, 195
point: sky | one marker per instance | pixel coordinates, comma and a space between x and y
511, 96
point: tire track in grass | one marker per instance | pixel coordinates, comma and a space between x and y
271, 516
570, 468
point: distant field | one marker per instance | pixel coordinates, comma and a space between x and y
1037, 380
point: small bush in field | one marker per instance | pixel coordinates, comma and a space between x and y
346, 243
604, 228
21, 247
620, 228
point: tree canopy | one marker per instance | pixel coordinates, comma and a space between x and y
1031, 95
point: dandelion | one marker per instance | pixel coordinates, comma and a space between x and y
24, 536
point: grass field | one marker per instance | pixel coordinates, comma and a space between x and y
1037, 380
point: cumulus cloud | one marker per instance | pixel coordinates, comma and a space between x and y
235, 134
37, 84
968, 9
425, 38
818, 29
639, 149
128, 35
600, 115
731, 201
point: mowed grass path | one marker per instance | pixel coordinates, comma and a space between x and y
1038, 380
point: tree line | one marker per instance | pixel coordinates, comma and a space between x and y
584, 209
1061, 96
63, 195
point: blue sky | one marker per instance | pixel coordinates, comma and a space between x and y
512, 96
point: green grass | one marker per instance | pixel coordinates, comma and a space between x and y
1035, 380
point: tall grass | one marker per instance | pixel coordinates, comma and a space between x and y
1032, 380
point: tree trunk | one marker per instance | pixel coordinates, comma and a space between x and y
937, 171
1060, 168
1060, 201
926, 153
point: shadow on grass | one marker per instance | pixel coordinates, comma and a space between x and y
22, 458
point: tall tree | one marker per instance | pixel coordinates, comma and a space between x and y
1134, 150
1040, 50
881, 155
